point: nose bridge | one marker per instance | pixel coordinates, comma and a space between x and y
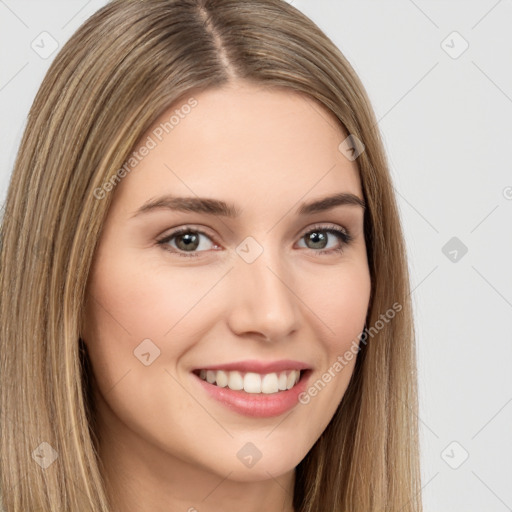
264, 301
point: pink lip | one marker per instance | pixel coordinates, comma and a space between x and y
257, 405
261, 367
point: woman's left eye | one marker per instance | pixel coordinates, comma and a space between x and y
319, 239
188, 240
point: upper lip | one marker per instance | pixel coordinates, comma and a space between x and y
259, 366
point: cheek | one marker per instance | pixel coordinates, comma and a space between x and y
340, 310
139, 321
130, 309
137, 301
340, 302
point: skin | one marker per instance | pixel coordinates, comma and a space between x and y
166, 445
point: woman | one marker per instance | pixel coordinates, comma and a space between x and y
189, 172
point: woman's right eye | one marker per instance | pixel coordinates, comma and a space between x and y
187, 241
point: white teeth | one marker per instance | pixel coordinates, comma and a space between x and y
291, 381
235, 381
252, 382
222, 379
283, 379
269, 383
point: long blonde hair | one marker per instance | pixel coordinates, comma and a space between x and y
122, 69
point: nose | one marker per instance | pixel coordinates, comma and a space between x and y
263, 299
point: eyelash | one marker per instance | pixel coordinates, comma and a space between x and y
343, 235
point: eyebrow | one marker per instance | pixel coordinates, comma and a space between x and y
229, 210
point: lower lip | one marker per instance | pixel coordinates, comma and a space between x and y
257, 405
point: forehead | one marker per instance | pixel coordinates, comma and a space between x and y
247, 143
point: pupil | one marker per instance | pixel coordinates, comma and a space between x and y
318, 238
190, 240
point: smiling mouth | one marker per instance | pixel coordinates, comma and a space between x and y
250, 382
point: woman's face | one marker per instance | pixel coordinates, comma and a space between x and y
264, 286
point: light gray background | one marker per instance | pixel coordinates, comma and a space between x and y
446, 123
